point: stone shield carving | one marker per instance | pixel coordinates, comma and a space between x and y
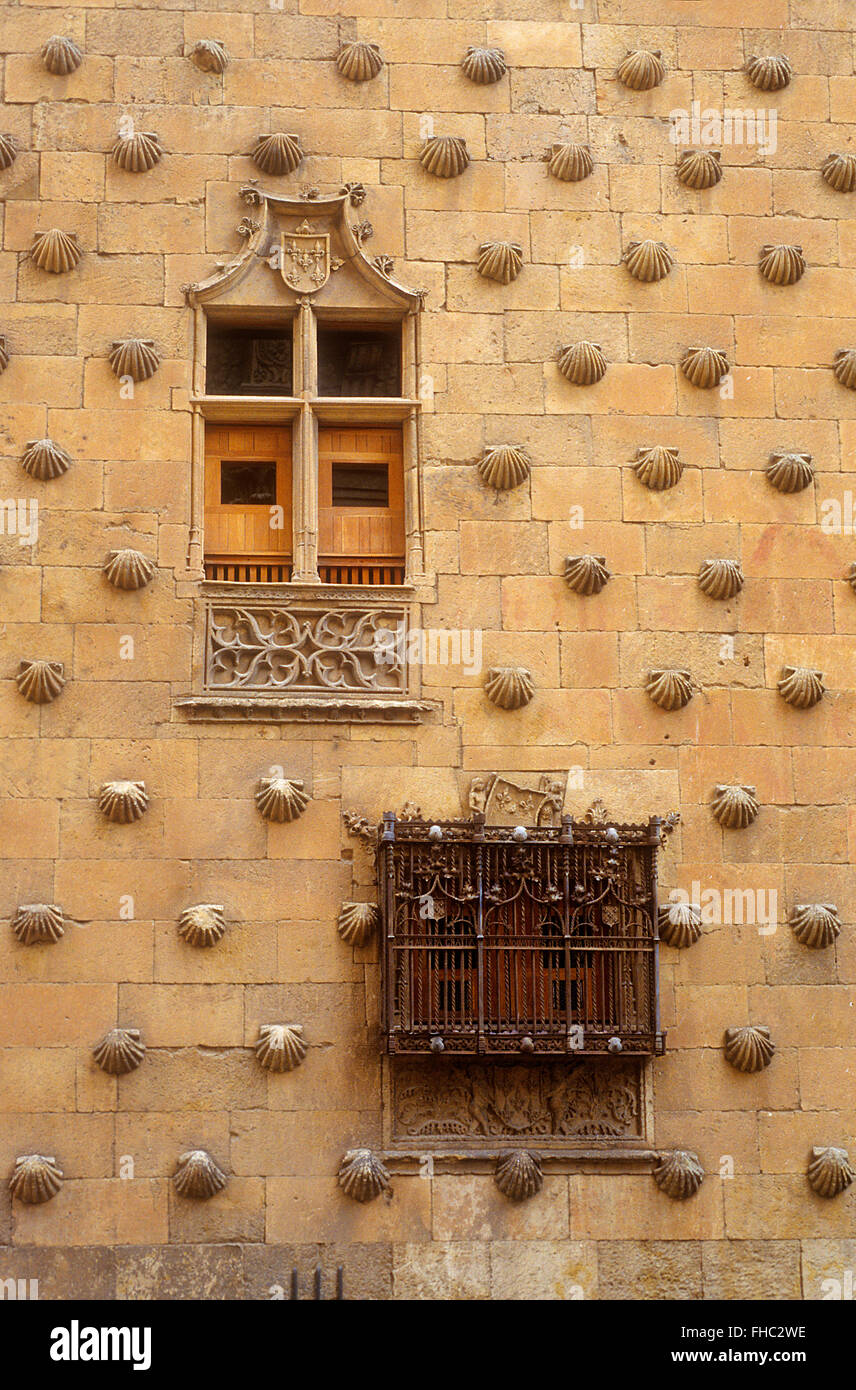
522, 801
304, 259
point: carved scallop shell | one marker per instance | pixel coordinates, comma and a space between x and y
845, 367
43, 459
679, 1174
281, 799
735, 807
40, 681
839, 171
830, 1171
55, 251
648, 260
137, 153
571, 163
362, 1175
704, 367
203, 924
504, 466
850, 576
720, 579
484, 65
749, 1049
582, 363
36, 1178
815, 925
277, 153
119, 1051
4, 354
509, 687
209, 55
699, 169
8, 151
669, 688
658, 467
782, 265
586, 574
197, 1175
801, 686
137, 358
444, 155
123, 802
680, 924
769, 74
359, 61
357, 922
37, 922
518, 1174
789, 472
641, 70
61, 55
500, 260
129, 569
280, 1046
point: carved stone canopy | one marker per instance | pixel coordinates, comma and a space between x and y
296, 247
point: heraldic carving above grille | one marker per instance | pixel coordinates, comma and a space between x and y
527, 942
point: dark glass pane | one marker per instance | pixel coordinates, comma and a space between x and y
359, 362
249, 361
247, 484
360, 485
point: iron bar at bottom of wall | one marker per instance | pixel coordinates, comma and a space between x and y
318, 1284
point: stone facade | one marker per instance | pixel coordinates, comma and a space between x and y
495, 560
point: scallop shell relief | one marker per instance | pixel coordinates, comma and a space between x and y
830, 1171
120, 1051
484, 65
55, 251
658, 467
586, 574
40, 681
129, 569
749, 1049
720, 579
704, 367
641, 70
648, 261
500, 260
699, 169
123, 802
679, 924
137, 153
277, 153
571, 163
735, 807
789, 472
669, 688
444, 156
582, 363
782, 265
505, 466
198, 1176
518, 1174
358, 922
679, 1174
8, 151
839, 171
202, 925
35, 923
281, 799
509, 687
844, 367
209, 55
769, 74
801, 686
815, 925
36, 1178
359, 61
61, 56
280, 1046
362, 1175
136, 358
45, 460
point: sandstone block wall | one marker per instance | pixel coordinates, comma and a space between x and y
755, 1228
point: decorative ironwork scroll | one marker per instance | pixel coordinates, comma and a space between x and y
305, 648
460, 1102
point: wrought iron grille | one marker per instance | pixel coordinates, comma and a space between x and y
500, 941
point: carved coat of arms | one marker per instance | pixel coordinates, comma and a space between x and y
304, 259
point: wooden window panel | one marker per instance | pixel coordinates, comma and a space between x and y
361, 537
240, 535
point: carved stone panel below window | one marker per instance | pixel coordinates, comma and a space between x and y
561, 1104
